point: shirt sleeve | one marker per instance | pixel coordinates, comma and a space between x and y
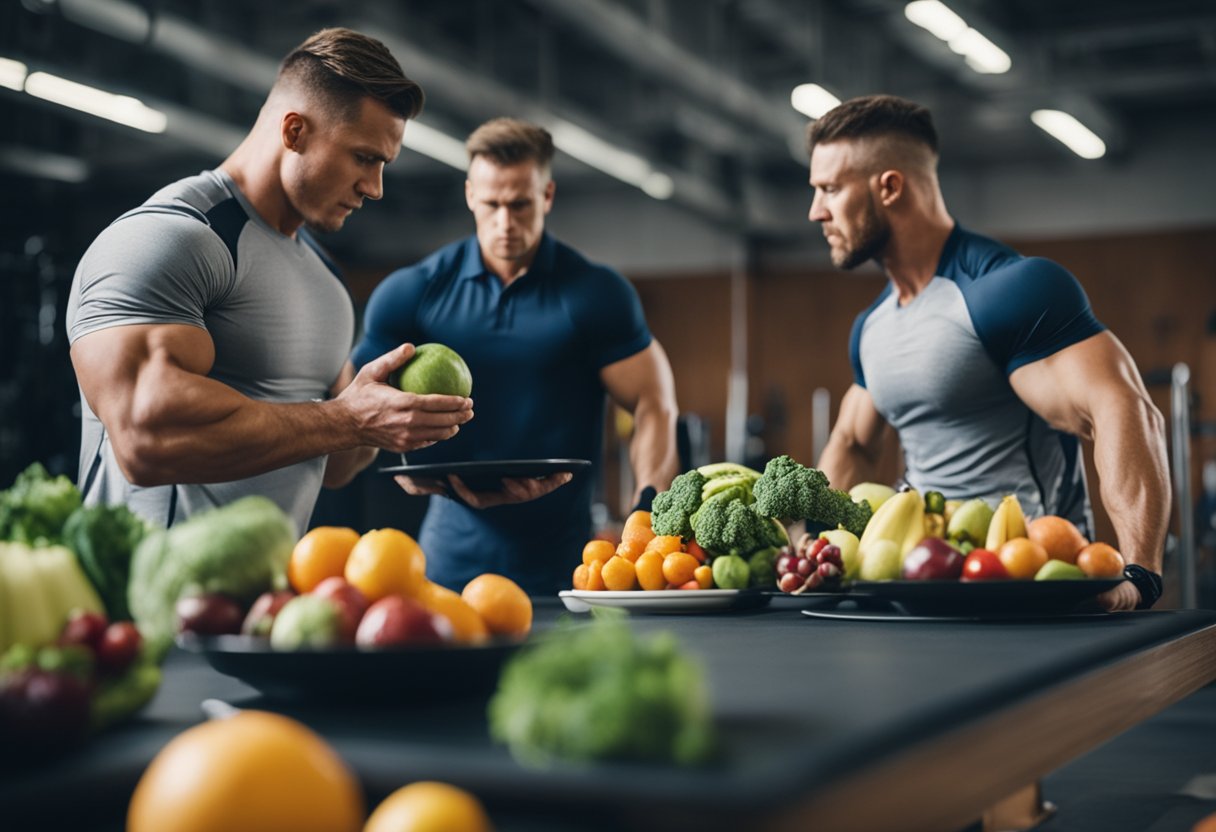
1029, 310
153, 268
607, 312
391, 316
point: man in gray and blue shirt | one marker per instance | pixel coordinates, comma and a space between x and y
989, 365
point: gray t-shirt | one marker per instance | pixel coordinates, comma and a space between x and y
197, 253
938, 371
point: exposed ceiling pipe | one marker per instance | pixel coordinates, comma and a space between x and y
630, 37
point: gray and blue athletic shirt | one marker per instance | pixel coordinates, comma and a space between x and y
282, 322
938, 371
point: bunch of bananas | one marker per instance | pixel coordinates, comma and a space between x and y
1007, 523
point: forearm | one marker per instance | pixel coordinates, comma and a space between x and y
1130, 455
846, 463
182, 428
343, 466
652, 451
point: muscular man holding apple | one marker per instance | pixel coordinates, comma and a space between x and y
208, 329
988, 364
545, 334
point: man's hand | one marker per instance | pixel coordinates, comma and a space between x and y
1123, 597
388, 418
514, 489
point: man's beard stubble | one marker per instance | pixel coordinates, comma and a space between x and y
873, 234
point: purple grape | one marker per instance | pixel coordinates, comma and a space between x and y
785, 564
804, 566
814, 581
790, 581
828, 571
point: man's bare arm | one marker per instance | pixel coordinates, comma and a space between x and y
1092, 389
853, 449
168, 422
644, 385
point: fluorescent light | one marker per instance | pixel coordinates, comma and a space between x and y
621, 164
936, 17
12, 74
812, 100
120, 108
439, 146
42, 164
981, 54
1071, 133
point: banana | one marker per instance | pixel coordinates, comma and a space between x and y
31, 617
718, 484
935, 525
951, 507
727, 469
1007, 523
901, 520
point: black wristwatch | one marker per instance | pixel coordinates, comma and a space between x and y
645, 498
1148, 582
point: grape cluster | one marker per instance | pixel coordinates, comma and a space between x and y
813, 564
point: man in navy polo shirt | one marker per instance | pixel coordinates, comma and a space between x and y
546, 335
988, 364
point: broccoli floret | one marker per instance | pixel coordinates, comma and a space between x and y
790, 491
670, 511
726, 524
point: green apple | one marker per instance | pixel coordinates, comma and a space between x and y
436, 369
731, 572
880, 561
872, 492
970, 522
1058, 570
848, 544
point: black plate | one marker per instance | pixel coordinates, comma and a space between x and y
484, 475
351, 675
979, 598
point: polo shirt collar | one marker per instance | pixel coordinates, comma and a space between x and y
471, 264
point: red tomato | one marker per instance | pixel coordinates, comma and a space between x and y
119, 646
983, 565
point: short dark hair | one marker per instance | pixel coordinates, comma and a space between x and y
343, 66
509, 141
872, 116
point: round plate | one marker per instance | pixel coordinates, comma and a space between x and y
405, 673
665, 600
486, 475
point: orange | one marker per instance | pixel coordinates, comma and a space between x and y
252, 772
704, 576
428, 806
318, 555
386, 562
637, 528
649, 568
1022, 557
1058, 537
503, 606
630, 550
595, 575
467, 626
619, 574
1099, 560
678, 568
580, 576
665, 544
597, 550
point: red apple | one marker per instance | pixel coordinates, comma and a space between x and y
396, 620
351, 604
261, 615
208, 614
933, 559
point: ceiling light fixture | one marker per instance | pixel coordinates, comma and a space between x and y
812, 100
981, 54
621, 164
1071, 133
12, 74
438, 145
119, 108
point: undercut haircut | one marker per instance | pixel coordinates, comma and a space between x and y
341, 67
510, 141
875, 117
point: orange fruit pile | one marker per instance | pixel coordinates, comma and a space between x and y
643, 560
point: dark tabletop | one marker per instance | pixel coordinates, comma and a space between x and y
800, 701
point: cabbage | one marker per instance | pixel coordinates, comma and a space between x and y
240, 550
34, 510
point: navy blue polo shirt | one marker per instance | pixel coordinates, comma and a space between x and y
535, 349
